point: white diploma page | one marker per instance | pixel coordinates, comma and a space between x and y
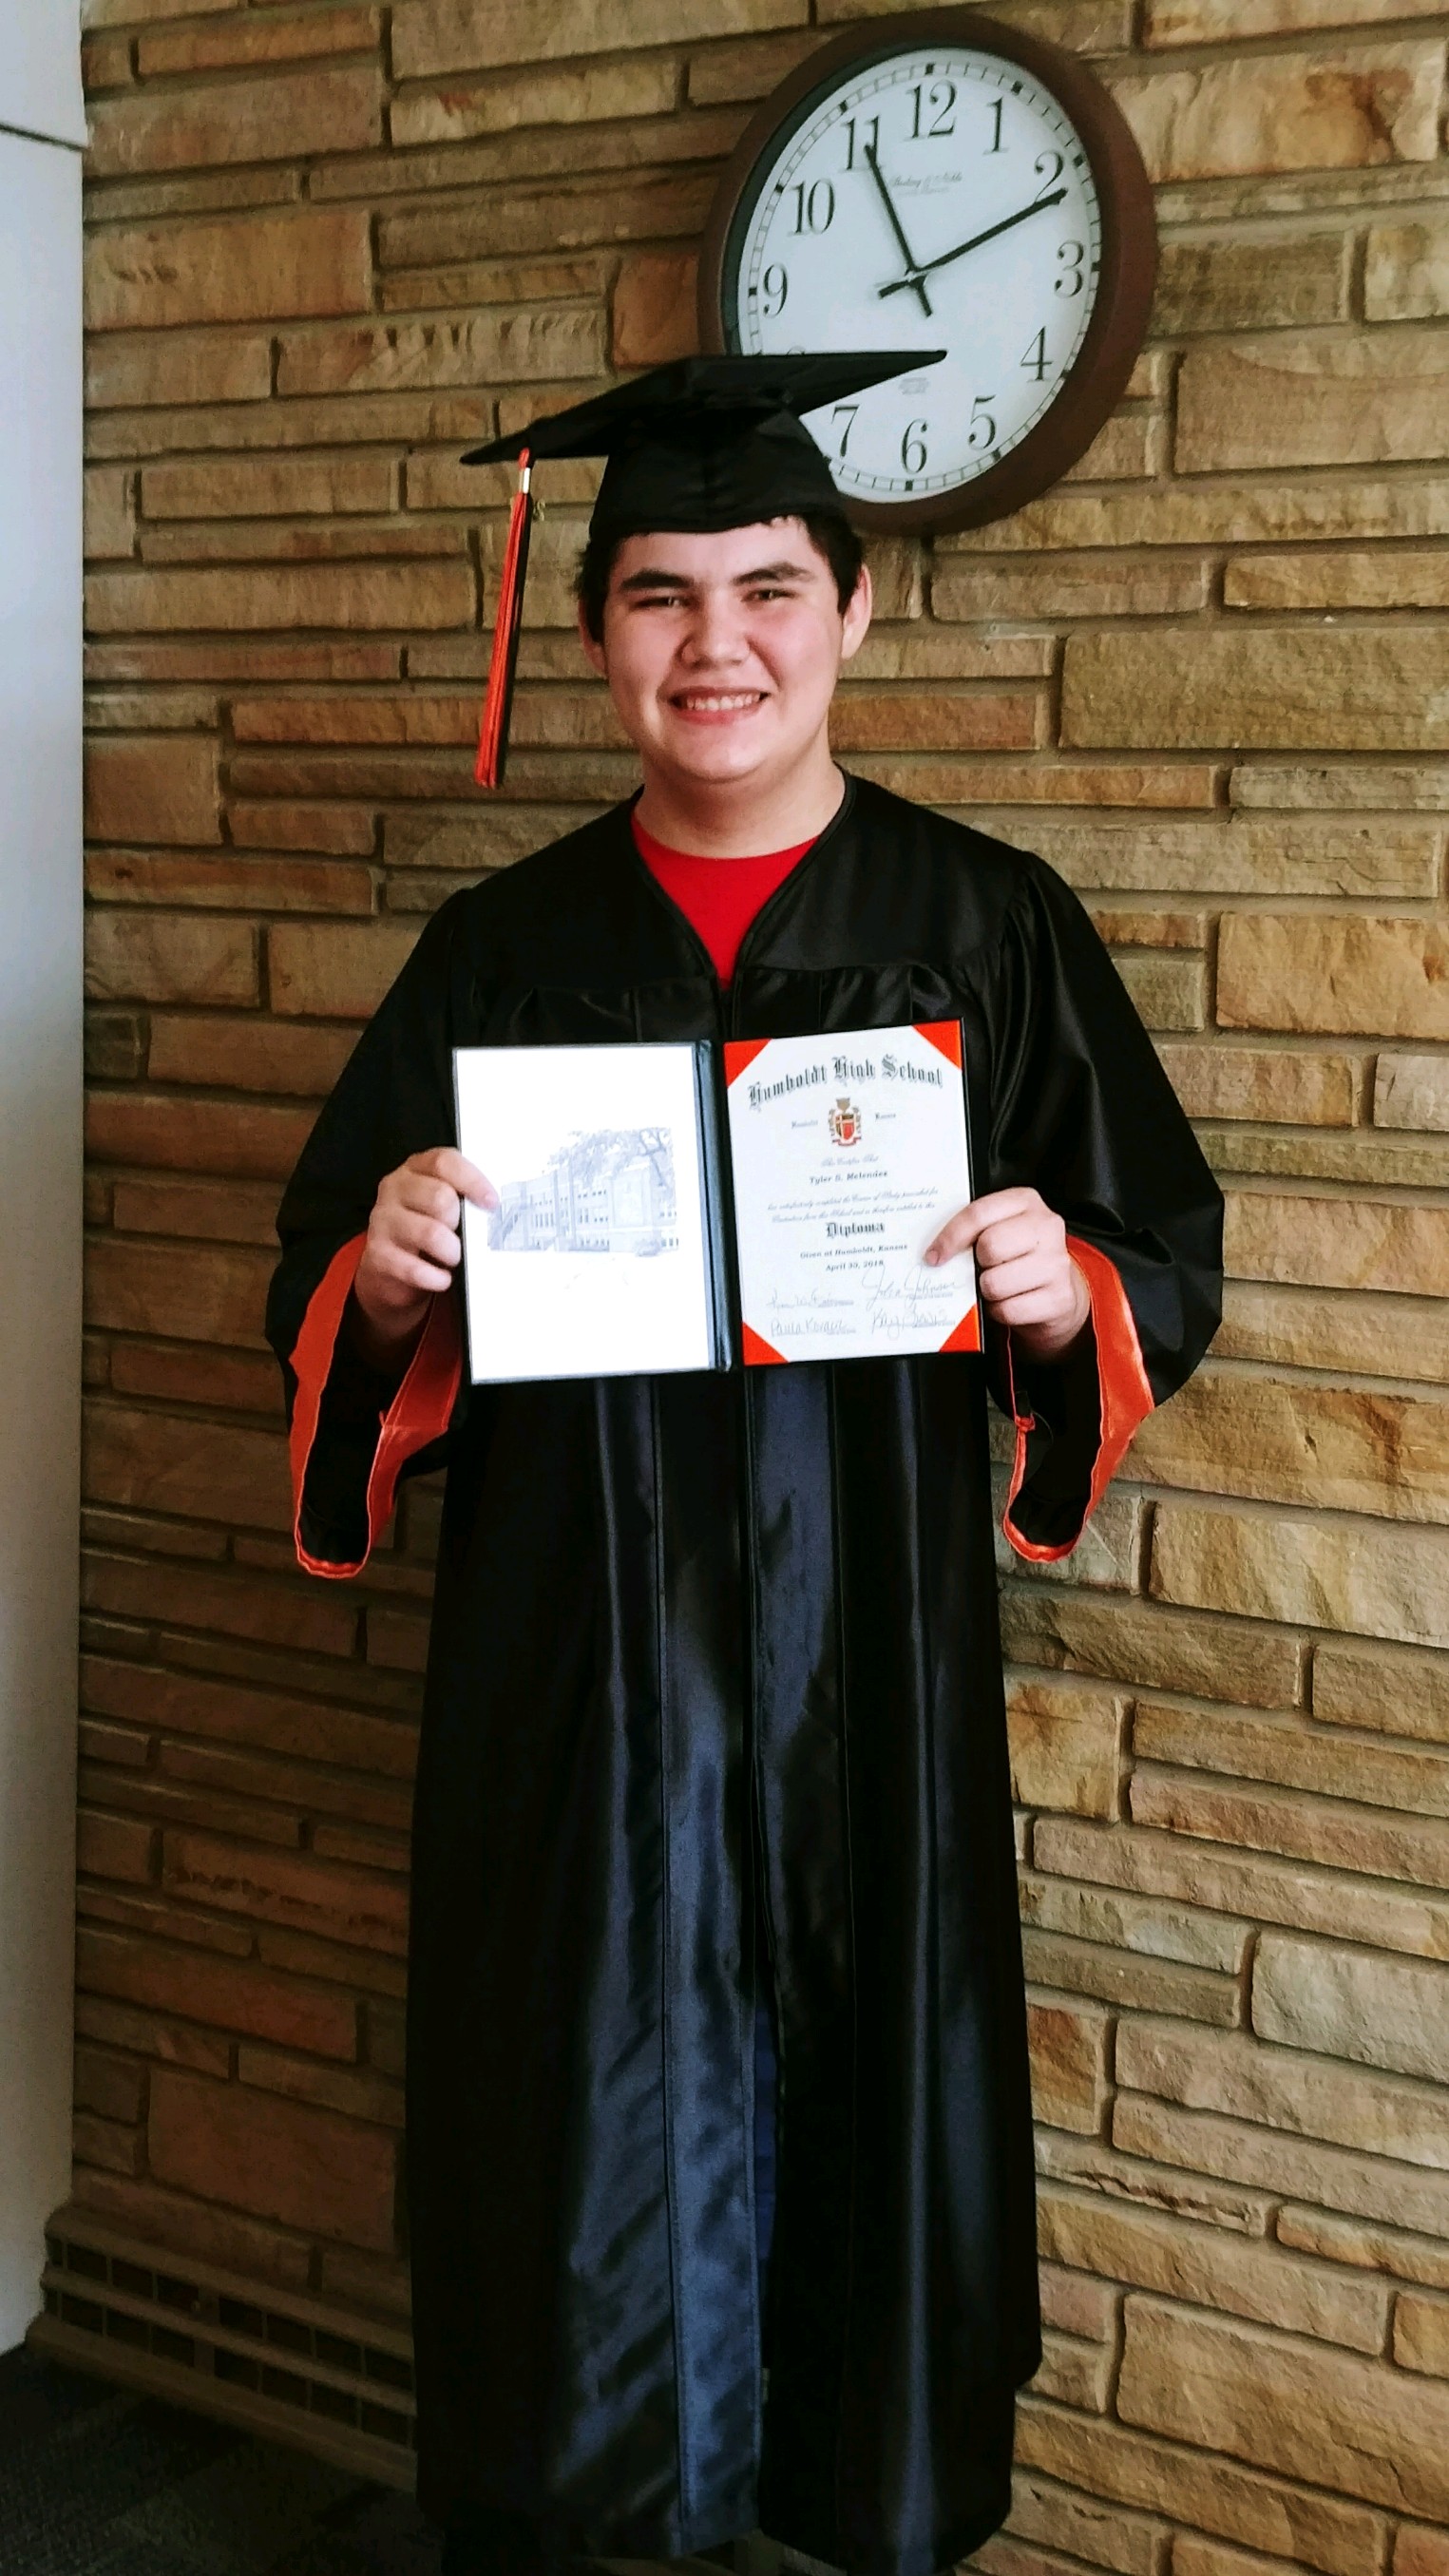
599, 1260
849, 1152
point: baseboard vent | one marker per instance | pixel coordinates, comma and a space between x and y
275, 2362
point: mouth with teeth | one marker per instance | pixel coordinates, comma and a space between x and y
717, 706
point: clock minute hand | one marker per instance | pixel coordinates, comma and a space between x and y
907, 254
923, 268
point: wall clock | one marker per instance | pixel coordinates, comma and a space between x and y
935, 176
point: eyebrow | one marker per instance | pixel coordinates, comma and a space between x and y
654, 578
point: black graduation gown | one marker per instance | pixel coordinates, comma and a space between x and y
699, 1631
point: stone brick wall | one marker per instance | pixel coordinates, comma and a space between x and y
1208, 677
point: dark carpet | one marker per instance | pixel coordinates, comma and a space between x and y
95, 2481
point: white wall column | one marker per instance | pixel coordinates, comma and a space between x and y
41, 130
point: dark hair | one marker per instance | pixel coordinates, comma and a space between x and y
830, 535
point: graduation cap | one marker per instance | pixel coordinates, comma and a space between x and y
693, 447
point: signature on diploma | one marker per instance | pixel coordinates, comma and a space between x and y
819, 1301
910, 1302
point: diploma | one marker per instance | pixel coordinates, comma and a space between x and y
848, 1153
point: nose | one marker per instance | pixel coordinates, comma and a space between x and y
715, 638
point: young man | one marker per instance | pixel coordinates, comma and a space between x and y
719, 2124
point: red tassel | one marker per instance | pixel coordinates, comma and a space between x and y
498, 701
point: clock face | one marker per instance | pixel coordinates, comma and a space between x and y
942, 196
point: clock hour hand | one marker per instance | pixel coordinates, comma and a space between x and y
907, 254
923, 268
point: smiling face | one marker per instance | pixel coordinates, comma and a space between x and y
722, 652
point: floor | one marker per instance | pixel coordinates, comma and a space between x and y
97, 2482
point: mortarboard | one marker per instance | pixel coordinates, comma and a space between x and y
699, 445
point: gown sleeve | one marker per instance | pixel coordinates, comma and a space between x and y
353, 1430
1082, 1111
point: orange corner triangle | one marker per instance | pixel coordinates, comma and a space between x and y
740, 1052
945, 1034
967, 1335
758, 1353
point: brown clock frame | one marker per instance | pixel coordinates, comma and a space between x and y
1096, 380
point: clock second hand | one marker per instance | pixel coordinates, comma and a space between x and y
923, 268
907, 254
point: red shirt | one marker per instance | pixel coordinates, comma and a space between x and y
719, 898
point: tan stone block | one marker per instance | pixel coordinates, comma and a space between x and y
1412, 1091
926, 653
1287, 112
308, 2168
1378, 1582
1166, 992
1299, 1086
1226, 285
1373, 2010
336, 972
1376, 1336
1366, 2186
1266, 512
164, 957
1217, 22
228, 47
1421, 2339
1420, 2552
1125, 447
1065, 1744
362, 2095
263, 268
1067, 586
263, 487
416, 718
1169, 1866
480, 35
1256, 690
1406, 272
1287, 2404
263, 597
1235, 855
105, 63
535, 98
1098, 785
279, 118
110, 516
1207, 2266
1314, 402
1388, 977
1103, 1915
169, 368
363, 1906
1339, 1447
747, 69
1388, 1688
1372, 2249
1041, 2510
1068, 2063
1075, 2374
1083, 26
654, 309
1320, 580
333, 828
1341, 787
196, 1292
1131, 1983
1074, 2305
1133, 1641
556, 341
938, 721
152, 788
1106, 2459
1365, 1839
497, 281
490, 836
1336, 1243
1194, 2556
1297, 1755
551, 220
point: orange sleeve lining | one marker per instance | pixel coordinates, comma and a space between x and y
420, 1411
1124, 1394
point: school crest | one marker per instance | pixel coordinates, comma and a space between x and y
845, 1123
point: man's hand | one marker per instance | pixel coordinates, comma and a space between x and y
1027, 1276
412, 1248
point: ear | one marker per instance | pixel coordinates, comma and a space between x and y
857, 616
593, 649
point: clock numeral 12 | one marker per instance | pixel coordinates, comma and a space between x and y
943, 99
